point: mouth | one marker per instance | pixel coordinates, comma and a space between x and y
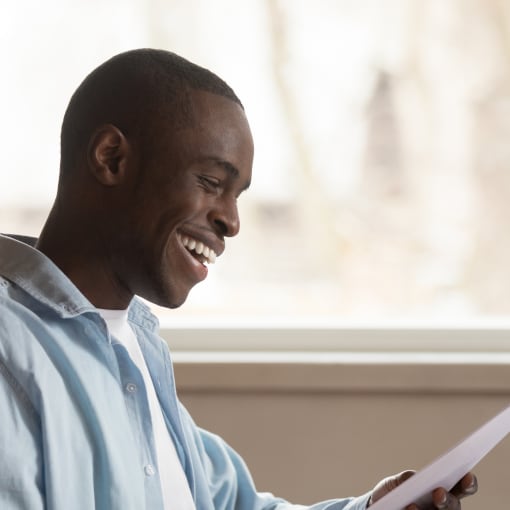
200, 251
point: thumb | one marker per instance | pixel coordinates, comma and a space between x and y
388, 484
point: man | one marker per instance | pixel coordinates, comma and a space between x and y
155, 152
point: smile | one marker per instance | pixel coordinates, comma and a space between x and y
198, 249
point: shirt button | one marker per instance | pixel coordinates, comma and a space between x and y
149, 470
130, 387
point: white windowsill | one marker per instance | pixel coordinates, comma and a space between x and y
334, 336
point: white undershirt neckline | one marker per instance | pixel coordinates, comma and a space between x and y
174, 485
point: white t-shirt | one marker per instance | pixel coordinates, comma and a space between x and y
174, 485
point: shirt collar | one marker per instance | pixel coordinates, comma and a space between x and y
37, 275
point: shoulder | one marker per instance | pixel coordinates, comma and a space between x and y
24, 336
13, 316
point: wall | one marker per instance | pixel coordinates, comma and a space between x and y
316, 426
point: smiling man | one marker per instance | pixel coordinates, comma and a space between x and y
155, 152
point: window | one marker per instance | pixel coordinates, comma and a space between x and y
381, 185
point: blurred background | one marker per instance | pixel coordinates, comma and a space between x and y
381, 184
381, 192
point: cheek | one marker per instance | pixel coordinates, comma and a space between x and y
154, 228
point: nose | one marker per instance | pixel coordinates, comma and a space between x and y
225, 217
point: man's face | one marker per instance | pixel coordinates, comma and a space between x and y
186, 200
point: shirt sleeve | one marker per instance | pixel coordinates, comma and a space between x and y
231, 486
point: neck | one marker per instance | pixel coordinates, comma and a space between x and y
76, 248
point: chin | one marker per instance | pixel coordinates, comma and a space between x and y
172, 305
169, 299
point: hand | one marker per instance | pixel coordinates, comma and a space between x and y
441, 499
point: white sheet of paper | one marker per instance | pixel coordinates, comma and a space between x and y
449, 468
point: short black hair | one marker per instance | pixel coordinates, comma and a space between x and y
131, 90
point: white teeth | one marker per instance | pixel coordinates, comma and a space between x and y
199, 247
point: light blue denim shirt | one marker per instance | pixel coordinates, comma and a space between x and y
75, 429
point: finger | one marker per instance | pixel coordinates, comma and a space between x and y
467, 486
444, 500
405, 475
388, 484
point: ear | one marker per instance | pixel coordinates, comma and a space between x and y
107, 153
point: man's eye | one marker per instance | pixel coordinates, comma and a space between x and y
209, 182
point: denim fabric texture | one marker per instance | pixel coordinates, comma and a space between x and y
75, 429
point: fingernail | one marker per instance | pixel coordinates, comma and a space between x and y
471, 488
443, 501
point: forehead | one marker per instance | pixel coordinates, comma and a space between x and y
217, 116
217, 129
